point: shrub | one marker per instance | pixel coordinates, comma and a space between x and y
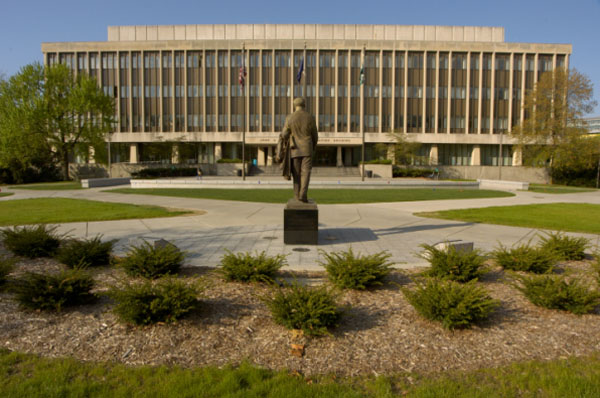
158, 172
152, 261
347, 271
32, 240
226, 160
378, 161
525, 258
54, 292
245, 267
456, 265
565, 247
165, 300
453, 304
411, 172
556, 292
6, 266
84, 253
301, 307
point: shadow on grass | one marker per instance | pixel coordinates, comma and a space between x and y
418, 228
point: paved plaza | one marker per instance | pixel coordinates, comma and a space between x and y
248, 226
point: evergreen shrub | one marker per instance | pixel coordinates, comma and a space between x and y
556, 292
565, 247
454, 304
349, 271
53, 292
85, 253
165, 300
311, 309
456, 265
245, 267
32, 241
152, 261
525, 258
6, 267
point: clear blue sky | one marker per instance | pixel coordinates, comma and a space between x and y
25, 24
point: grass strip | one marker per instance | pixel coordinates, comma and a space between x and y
26, 375
321, 196
573, 217
558, 189
2, 194
50, 186
60, 210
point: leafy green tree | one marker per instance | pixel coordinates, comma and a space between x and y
23, 144
49, 114
77, 113
406, 150
553, 131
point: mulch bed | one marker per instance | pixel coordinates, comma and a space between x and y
380, 333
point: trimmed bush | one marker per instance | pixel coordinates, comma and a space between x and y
456, 265
54, 292
152, 261
312, 309
565, 247
525, 258
411, 172
556, 292
165, 300
227, 160
6, 267
245, 267
453, 304
158, 172
31, 241
85, 253
347, 271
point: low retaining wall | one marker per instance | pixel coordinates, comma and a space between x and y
503, 185
378, 170
104, 182
507, 173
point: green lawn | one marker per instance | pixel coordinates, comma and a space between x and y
59, 210
5, 194
574, 217
25, 375
322, 196
543, 188
50, 186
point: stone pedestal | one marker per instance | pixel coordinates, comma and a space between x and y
301, 223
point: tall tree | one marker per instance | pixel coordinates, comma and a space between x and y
48, 115
77, 113
553, 131
23, 144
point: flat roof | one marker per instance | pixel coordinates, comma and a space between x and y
306, 32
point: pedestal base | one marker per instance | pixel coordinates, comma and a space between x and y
301, 223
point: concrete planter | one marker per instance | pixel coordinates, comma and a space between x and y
377, 170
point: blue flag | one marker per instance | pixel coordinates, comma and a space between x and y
300, 70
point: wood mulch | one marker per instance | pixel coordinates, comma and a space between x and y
380, 333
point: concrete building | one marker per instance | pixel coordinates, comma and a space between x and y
456, 90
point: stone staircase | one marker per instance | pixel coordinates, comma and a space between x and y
316, 171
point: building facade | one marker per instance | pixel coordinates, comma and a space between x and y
456, 90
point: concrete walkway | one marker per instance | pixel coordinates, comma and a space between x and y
247, 226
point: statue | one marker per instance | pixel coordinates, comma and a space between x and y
296, 147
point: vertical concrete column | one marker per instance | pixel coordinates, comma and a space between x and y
433, 155
134, 153
468, 96
437, 92
493, 93
391, 152
335, 104
348, 160
476, 156
261, 156
511, 90
91, 155
405, 126
424, 96
380, 113
393, 99
449, 101
218, 151
479, 101
175, 154
517, 157
270, 156
339, 162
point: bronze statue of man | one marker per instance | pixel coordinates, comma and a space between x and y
301, 130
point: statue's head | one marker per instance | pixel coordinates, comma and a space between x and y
299, 102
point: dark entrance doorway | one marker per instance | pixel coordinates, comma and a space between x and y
325, 156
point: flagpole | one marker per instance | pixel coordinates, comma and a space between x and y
243, 69
362, 107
